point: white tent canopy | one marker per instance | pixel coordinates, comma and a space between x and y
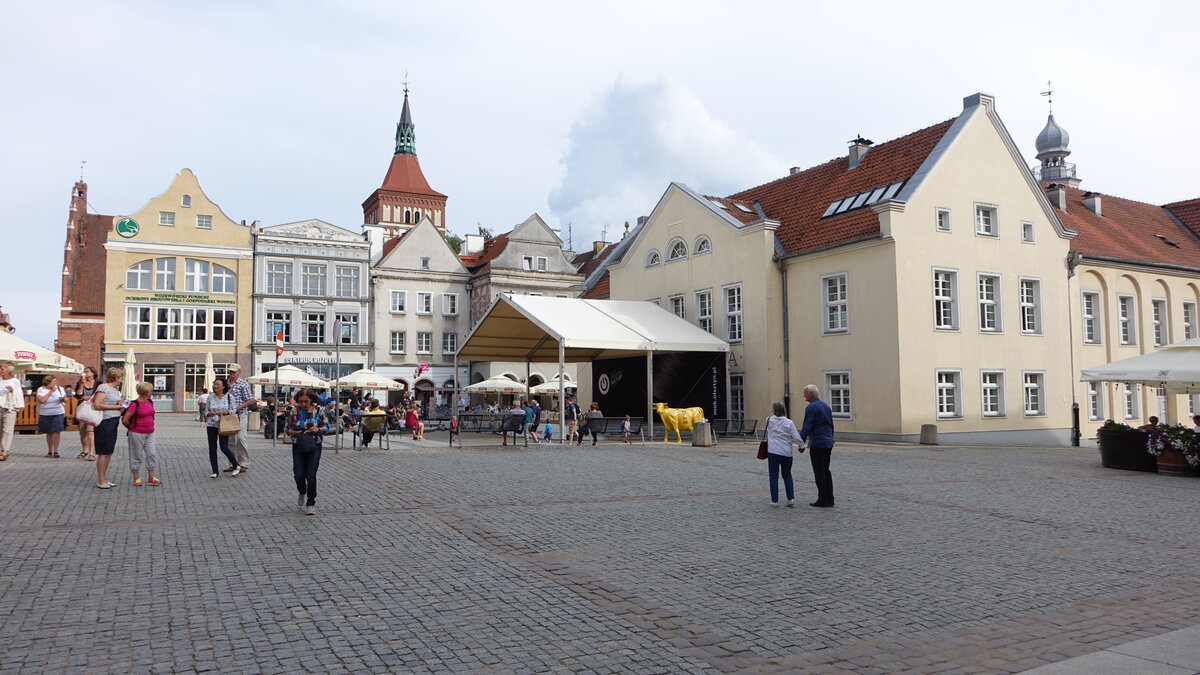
1174, 367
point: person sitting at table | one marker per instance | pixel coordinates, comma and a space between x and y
1151, 426
373, 411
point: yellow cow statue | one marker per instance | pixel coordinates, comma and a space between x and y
675, 419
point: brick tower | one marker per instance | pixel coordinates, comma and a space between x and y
81, 322
405, 196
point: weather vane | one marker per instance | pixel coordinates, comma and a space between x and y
406, 83
81, 163
1049, 94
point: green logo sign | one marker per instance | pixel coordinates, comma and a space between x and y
127, 227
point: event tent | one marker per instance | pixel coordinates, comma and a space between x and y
25, 355
1175, 367
537, 328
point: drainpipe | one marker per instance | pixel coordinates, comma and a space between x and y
787, 365
1073, 260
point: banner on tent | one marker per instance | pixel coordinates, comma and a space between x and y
681, 380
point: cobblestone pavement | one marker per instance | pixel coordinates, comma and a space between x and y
649, 558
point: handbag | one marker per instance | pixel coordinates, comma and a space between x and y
762, 445
229, 425
305, 442
86, 414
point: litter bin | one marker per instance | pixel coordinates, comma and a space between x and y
702, 434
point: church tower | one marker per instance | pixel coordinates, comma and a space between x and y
405, 197
1052, 152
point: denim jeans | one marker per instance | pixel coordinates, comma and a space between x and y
214, 439
304, 467
777, 464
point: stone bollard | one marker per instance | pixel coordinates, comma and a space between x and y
929, 434
702, 435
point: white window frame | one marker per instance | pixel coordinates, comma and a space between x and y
836, 305
653, 258
839, 393
226, 330
989, 226
140, 276
164, 274
993, 304
450, 304
541, 262
397, 341
527, 263
195, 324
226, 278
1030, 305
1089, 309
1126, 320
1033, 391
186, 201
168, 324
737, 396
311, 274
1160, 321
671, 245
424, 342
449, 342
399, 301
348, 281
1095, 401
204, 221
348, 323
992, 382
702, 245
734, 327
945, 298
677, 306
941, 220
424, 303
166, 218
142, 326
314, 319
953, 385
1130, 402
1027, 232
1189, 320
704, 309
282, 317
195, 280
279, 277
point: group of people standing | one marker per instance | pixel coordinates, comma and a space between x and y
815, 435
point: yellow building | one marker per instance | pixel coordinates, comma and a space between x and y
178, 272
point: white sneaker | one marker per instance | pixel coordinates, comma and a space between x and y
791, 502
310, 511
300, 501
774, 504
236, 471
214, 476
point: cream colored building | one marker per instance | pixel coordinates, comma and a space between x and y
178, 288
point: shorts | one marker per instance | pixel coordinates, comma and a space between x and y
51, 424
572, 426
533, 428
85, 430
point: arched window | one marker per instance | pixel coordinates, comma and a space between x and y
652, 258
677, 250
138, 277
186, 201
223, 280
407, 216
702, 245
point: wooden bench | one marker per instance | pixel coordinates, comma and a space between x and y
27, 417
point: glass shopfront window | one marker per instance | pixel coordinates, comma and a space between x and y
194, 382
161, 377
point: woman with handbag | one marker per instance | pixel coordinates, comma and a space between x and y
52, 414
307, 429
589, 422
780, 434
85, 388
109, 400
222, 423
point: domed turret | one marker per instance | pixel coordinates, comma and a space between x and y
1052, 152
1053, 139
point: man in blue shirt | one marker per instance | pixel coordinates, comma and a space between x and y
818, 433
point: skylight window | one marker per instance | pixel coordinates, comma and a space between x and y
719, 204
862, 199
743, 207
891, 191
876, 194
832, 207
845, 205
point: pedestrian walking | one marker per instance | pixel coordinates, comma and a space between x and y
139, 419
591, 420
780, 434
110, 402
307, 428
219, 403
52, 414
532, 413
201, 402
572, 412
626, 427
85, 388
243, 404
817, 431
12, 401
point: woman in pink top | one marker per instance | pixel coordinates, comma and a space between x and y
139, 418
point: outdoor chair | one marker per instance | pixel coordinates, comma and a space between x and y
377, 425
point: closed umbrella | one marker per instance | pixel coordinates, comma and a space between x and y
129, 386
210, 373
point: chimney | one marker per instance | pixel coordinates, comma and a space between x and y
642, 219
473, 243
858, 149
794, 170
1092, 201
598, 246
1057, 196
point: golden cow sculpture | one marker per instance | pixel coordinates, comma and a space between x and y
676, 419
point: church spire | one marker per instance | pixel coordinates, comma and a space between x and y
406, 135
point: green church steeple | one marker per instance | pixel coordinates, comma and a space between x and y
406, 134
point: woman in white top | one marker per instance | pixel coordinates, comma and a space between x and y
109, 401
12, 399
781, 433
51, 413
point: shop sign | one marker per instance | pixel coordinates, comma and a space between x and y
188, 298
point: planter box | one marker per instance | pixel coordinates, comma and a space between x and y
1121, 449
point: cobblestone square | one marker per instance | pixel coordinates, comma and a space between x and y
647, 558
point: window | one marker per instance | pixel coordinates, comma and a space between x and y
424, 343
1158, 317
948, 394
541, 264
152, 371
1091, 319
704, 317
223, 280
1095, 397
195, 324
398, 341
943, 220
186, 202
279, 278
314, 328
195, 278
424, 303
837, 310
1031, 306
985, 220
527, 263
194, 378
677, 250
1126, 326
676, 305
989, 305
1189, 320
945, 303
837, 387
347, 282
137, 277
737, 397
702, 245
449, 343
398, 300
166, 218
1131, 403
450, 305
1035, 395
652, 258
223, 325
137, 323
655, 301
1027, 232
733, 313
348, 324
276, 322
992, 382
168, 323
164, 274
312, 280
424, 263
204, 222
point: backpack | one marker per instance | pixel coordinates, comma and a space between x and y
137, 409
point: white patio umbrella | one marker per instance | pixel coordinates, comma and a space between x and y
129, 384
367, 379
552, 386
289, 376
1174, 367
496, 385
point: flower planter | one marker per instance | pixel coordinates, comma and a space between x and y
1121, 449
1173, 463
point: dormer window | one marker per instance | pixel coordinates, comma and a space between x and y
653, 258
186, 201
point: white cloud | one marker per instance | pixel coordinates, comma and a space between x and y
638, 137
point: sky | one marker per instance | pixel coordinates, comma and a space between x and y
580, 112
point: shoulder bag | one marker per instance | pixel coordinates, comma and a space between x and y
305, 442
762, 445
228, 425
86, 414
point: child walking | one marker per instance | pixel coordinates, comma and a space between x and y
625, 428
139, 418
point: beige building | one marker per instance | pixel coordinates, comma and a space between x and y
178, 283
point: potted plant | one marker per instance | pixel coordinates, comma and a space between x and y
1176, 449
1123, 447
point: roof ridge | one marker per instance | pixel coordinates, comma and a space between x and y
1113, 196
1183, 202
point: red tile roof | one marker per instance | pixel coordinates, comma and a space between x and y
404, 175
732, 209
581, 259
798, 201
491, 248
392, 243
599, 291
596, 260
1129, 230
1188, 212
